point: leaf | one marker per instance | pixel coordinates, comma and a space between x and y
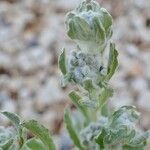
86, 102
71, 130
121, 135
139, 139
88, 85
16, 121
8, 144
62, 62
126, 115
33, 144
98, 30
126, 147
66, 79
13, 118
7, 137
83, 30
75, 99
112, 62
104, 96
106, 19
72, 32
41, 132
100, 139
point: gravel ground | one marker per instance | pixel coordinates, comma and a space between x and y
31, 37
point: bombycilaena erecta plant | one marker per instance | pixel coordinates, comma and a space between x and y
97, 128
93, 126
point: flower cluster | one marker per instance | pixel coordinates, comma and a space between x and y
83, 66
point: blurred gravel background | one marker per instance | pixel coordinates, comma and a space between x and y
32, 33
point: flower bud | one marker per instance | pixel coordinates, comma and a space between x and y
90, 26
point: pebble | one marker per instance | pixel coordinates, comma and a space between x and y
143, 101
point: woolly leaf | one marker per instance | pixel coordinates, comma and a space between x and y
106, 19
7, 137
104, 96
126, 147
76, 101
41, 132
7, 145
139, 139
82, 29
13, 118
66, 79
100, 139
99, 30
62, 62
16, 121
88, 85
71, 130
33, 144
125, 116
112, 62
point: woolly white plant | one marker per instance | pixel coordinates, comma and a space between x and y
90, 26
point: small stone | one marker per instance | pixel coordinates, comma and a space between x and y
143, 100
48, 94
139, 84
33, 59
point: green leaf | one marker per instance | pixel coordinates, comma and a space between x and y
7, 145
105, 95
75, 99
62, 62
13, 118
139, 139
41, 132
7, 137
106, 19
71, 130
33, 144
126, 147
126, 115
72, 33
16, 121
112, 62
99, 30
121, 135
83, 31
100, 139
88, 85
86, 102
66, 79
